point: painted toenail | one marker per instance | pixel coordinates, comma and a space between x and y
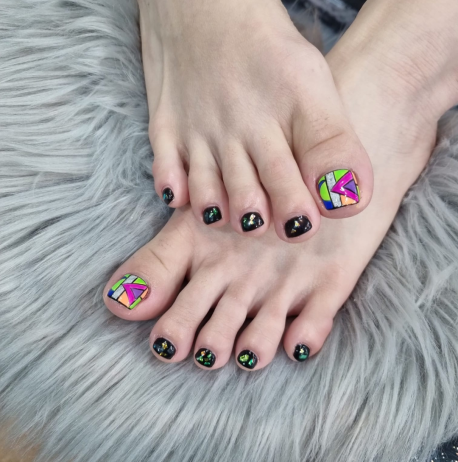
247, 359
129, 291
164, 348
205, 357
338, 188
297, 226
301, 352
212, 215
251, 221
167, 195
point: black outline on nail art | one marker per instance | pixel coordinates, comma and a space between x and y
171, 347
297, 226
257, 224
252, 357
206, 351
296, 352
167, 192
209, 210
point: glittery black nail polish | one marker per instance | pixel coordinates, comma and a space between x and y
301, 352
247, 359
164, 348
297, 226
167, 195
205, 357
212, 215
251, 221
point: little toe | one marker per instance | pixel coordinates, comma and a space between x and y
145, 285
295, 214
173, 335
258, 343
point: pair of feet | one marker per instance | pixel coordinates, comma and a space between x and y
394, 113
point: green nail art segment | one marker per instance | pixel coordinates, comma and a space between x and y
129, 291
212, 215
167, 195
338, 188
247, 359
301, 352
251, 221
164, 348
205, 357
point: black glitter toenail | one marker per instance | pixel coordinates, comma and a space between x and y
247, 359
205, 357
301, 352
164, 348
297, 226
167, 195
212, 215
251, 221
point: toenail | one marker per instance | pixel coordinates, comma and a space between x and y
167, 195
297, 226
164, 348
247, 359
301, 352
251, 221
212, 215
205, 357
338, 188
129, 291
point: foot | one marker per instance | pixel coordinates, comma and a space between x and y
266, 279
241, 102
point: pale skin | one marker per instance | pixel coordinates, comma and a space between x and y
395, 76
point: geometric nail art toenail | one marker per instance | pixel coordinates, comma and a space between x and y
212, 215
338, 188
297, 226
167, 195
247, 359
301, 352
164, 348
205, 357
251, 221
129, 291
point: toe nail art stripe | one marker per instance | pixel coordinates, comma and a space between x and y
338, 188
167, 195
247, 359
164, 348
212, 215
297, 226
251, 221
301, 352
129, 291
205, 357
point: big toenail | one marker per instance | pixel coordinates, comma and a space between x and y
297, 226
247, 359
129, 291
205, 357
301, 352
251, 221
212, 215
167, 195
338, 188
164, 348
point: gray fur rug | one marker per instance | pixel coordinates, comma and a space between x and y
76, 199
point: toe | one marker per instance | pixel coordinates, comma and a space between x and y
170, 179
147, 282
173, 335
295, 214
248, 203
258, 343
206, 189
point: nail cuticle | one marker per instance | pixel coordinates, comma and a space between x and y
164, 348
339, 188
129, 291
251, 221
247, 359
205, 357
167, 195
301, 352
211, 215
297, 226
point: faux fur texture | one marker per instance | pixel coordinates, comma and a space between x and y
76, 199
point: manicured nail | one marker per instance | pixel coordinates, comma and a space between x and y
129, 291
251, 221
247, 359
167, 195
338, 188
301, 352
212, 215
297, 226
205, 357
164, 348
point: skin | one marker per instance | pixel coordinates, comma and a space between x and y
395, 81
